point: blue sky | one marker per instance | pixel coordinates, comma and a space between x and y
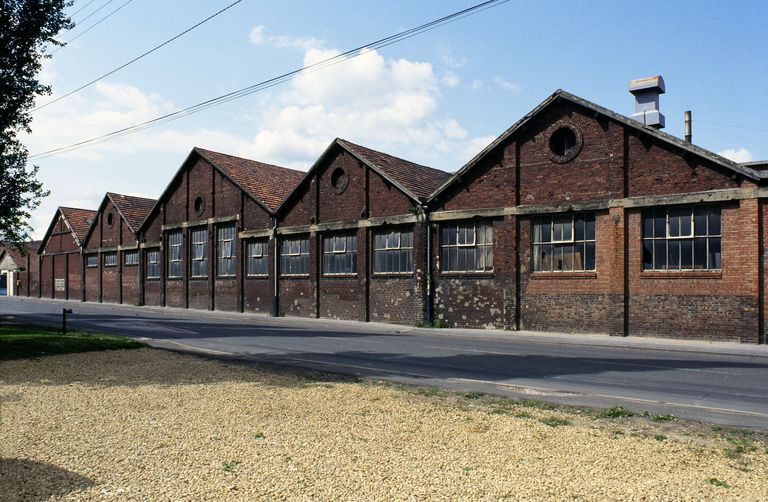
436, 99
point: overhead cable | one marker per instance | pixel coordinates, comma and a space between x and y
147, 53
91, 27
266, 84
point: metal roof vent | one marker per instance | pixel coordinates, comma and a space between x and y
646, 92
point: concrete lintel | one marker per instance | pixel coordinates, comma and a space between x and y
401, 219
563, 207
465, 214
156, 244
199, 223
265, 232
687, 198
299, 229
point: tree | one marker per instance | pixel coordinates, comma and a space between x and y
27, 27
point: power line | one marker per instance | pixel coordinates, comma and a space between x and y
266, 84
731, 126
77, 23
139, 57
91, 26
81, 8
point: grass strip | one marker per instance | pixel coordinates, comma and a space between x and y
23, 341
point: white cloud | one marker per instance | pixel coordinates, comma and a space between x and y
387, 104
737, 154
452, 61
450, 79
506, 84
476, 85
257, 37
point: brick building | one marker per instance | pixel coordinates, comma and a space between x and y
350, 237
19, 268
61, 264
111, 250
575, 219
202, 243
588, 221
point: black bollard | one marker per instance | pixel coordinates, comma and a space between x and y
64, 313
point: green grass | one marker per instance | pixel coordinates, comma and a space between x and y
554, 421
615, 412
717, 482
27, 341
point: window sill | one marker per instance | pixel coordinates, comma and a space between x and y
339, 276
467, 275
563, 275
256, 277
392, 275
295, 276
198, 278
681, 274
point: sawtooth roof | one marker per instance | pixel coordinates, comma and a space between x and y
418, 180
743, 169
269, 183
133, 209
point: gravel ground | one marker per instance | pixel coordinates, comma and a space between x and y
153, 425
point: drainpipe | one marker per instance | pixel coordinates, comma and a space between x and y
428, 265
275, 295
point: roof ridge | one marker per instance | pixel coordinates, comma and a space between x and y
206, 150
342, 140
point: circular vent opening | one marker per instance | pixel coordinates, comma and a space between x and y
199, 205
563, 142
110, 219
339, 180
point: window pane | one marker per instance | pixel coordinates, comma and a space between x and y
660, 223
578, 256
578, 228
558, 258
546, 257
700, 253
568, 258
590, 256
700, 221
648, 254
685, 224
673, 261
714, 253
714, 222
589, 227
660, 255
674, 225
537, 258
557, 232
647, 223
537, 231
686, 254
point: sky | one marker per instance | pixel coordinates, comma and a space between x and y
436, 99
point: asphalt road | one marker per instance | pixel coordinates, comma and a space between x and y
718, 383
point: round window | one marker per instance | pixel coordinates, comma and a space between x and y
199, 205
110, 219
564, 142
339, 180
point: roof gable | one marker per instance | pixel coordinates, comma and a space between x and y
133, 210
267, 184
78, 221
621, 119
414, 180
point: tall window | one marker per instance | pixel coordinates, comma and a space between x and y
131, 257
294, 256
153, 264
393, 252
227, 252
110, 259
174, 254
340, 255
91, 260
467, 246
682, 238
564, 243
257, 263
199, 252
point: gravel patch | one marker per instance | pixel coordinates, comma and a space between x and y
154, 425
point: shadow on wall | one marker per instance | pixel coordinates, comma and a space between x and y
22, 479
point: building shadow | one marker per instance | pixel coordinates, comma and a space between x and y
22, 479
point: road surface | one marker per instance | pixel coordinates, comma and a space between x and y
718, 383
